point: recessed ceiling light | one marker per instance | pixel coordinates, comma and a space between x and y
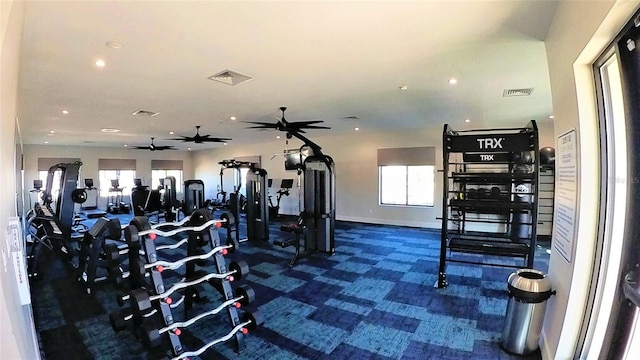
277, 136
125, 145
403, 87
100, 63
113, 44
467, 120
108, 130
225, 144
232, 118
551, 116
356, 129
171, 133
189, 149
52, 131
50, 134
65, 112
46, 142
453, 81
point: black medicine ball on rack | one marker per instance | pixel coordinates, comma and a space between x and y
547, 156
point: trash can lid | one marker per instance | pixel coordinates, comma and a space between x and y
530, 280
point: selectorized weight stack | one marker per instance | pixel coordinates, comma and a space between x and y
319, 203
257, 204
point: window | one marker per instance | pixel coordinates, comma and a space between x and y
55, 184
156, 175
407, 176
124, 177
407, 185
160, 169
124, 170
243, 181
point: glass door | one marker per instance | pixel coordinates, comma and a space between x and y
611, 330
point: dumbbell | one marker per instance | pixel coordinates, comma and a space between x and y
151, 336
141, 301
120, 317
228, 219
495, 192
117, 275
235, 244
250, 321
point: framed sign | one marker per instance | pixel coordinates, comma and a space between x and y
565, 212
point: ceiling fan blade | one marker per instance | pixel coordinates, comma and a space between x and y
220, 140
183, 138
305, 123
259, 123
263, 127
140, 147
314, 127
165, 148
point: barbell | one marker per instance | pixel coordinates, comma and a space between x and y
244, 296
141, 300
250, 322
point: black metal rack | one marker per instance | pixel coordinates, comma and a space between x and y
490, 201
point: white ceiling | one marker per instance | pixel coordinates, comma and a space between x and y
324, 60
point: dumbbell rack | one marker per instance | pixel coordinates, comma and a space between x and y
495, 221
197, 239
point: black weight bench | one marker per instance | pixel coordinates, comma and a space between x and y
296, 229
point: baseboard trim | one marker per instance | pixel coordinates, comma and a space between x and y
418, 224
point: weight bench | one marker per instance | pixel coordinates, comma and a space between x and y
296, 229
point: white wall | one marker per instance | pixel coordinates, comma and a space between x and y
579, 32
17, 336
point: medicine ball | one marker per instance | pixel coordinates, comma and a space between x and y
547, 156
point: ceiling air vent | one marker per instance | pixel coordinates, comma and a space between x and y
517, 92
146, 113
230, 77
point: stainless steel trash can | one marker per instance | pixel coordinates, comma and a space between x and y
529, 291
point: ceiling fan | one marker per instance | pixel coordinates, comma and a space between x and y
154, 147
199, 139
288, 126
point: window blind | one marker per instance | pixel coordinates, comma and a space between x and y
166, 165
116, 164
45, 164
407, 156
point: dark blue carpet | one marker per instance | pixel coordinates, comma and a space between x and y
374, 299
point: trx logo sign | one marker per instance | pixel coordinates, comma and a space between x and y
486, 157
490, 143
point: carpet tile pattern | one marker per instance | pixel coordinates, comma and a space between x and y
374, 299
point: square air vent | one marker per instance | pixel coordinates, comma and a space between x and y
146, 113
517, 92
230, 77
